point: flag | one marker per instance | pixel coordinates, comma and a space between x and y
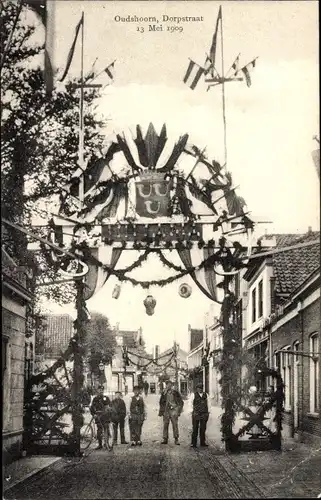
246, 72
45, 10
236, 64
193, 74
110, 70
72, 48
212, 55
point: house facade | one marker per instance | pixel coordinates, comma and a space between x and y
17, 355
195, 357
281, 325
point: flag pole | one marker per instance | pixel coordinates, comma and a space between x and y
78, 366
223, 93
81, 116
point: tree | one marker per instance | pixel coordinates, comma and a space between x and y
39, 140
100, 342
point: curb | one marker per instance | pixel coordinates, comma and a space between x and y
35, 472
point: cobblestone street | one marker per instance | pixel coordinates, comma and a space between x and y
159, 471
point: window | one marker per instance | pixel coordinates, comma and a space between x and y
254, 305
314, 374
285, 359
296, 349
260, 299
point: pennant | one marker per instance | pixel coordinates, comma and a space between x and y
110, 70
72, 48
212, 55
193, 74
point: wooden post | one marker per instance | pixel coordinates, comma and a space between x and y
78, 368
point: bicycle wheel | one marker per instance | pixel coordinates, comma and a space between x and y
86, 436
108, 437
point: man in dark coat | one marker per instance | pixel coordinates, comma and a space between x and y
146, 387
99, 409
199, 416
137, 415
118, 417
170, 408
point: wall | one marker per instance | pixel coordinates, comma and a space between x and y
264, 274
13, 329
299, 328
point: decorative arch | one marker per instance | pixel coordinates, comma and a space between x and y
148, 190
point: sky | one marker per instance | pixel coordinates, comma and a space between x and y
270, 125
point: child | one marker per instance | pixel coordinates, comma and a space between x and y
137, 415
118, 417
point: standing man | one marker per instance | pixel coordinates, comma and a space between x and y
199, 416
137, 415
98, 408
146, 387
118, 417
170, 407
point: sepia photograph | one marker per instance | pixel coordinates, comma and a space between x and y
160, 171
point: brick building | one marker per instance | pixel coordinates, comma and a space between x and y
280, 313
17, 354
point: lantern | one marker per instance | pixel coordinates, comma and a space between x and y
149, 304
185, 290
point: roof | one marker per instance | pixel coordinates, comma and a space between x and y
293, 267
129, 337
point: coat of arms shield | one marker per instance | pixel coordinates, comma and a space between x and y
152, 195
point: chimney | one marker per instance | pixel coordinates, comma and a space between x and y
309, 230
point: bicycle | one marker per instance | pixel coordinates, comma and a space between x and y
88, 432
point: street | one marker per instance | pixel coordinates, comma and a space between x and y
170, 471
150, 471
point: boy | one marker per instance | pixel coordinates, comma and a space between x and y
99, 409
200, 416
118, 417
137, 415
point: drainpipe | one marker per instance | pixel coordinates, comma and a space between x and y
300, 406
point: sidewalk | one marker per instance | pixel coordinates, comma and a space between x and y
24, 468
292, 473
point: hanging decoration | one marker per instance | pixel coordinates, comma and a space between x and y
116, 291
185, 290
150, 304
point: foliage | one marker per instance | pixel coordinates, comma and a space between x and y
100, 341
39, 139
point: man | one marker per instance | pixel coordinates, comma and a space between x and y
200, 416
137, 415
118, 417
99, 409
170, 407
146, 387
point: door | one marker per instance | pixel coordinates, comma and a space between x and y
296, 389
